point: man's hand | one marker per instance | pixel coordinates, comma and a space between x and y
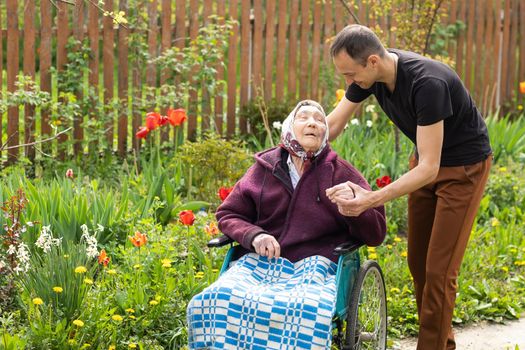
266, 245
351, 199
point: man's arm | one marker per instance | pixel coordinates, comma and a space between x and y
430, 142
338, 118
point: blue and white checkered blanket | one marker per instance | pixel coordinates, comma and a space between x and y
265, 304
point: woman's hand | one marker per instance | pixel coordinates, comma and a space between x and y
266, 245
351, 199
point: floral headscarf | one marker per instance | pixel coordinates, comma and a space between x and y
288, 138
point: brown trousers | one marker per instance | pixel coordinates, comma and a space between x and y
440, 218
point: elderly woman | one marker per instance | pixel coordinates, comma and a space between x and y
283, 295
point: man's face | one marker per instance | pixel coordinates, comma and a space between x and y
354, 72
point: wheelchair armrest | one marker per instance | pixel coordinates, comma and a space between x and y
220, 241
347, 247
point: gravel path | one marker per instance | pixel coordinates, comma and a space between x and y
482, 336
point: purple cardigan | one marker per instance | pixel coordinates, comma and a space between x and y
304, 221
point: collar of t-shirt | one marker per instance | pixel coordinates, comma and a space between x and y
294, 175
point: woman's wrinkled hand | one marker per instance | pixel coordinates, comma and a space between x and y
351, 199
266, 245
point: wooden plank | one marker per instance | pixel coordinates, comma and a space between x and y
316, 49
487, 82
497, 48
282, 27
461, 42
269, 51
192, 110
45, 67
1, 82
78, 32
205, 102
327, 40
94, 62
61, 52
521, 76
393, 24
165, 43
29, 70
153, 30
470, 43
512, 86
257, 56
340, 16
362, 12
304, 48
452, 20
108, 59
181, 34
232, 69
123, 82
292, 52
245, 66
480, 50
12, 72
505, 52
219, 99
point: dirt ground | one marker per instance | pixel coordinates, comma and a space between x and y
482, 336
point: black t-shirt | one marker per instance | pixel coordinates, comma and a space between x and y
426, 92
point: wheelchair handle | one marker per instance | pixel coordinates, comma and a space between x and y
220, 242
347, 247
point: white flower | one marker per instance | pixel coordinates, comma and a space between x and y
2, 265
370, 108
11, 250
202, 213
369, 123
23, 258
30, 224
277, 125
91, 241
46, 240
100, 228
354, 121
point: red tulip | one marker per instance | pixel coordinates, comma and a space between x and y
153, 120
186, 217
139, 239
103, 259
383, 181
224, 192
163, 120
176, 116
142, 133
69, 173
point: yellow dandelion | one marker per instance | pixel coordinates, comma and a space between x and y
505, 269
88, 281
397, 239
111, 272
38, 301
72, 342
112, 347
404, 254
166, 263
389, 246
215, 270
394, 290
502, 169
117, 318
137, 266
372, 256
513, 250
520, 107
78, 323
132, 345
85, 346
494, 222
58, 290
520, 263
154, 302
158, 297
132, 317
371, 249
80, 269
130, 310
199, 275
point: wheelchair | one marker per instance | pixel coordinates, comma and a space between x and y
360, 320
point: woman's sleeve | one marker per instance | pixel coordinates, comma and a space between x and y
237, 214
370, 226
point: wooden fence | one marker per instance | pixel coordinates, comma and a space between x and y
279, 45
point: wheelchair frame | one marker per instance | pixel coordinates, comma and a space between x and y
350, 331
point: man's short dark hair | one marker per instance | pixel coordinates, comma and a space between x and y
359, 42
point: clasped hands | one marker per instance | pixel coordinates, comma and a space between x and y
351, 199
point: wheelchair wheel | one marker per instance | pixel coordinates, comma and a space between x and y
367, 318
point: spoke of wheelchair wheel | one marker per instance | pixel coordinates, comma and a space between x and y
370, 310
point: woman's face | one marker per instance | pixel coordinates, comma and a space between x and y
309, 127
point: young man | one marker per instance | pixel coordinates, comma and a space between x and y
427, 101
